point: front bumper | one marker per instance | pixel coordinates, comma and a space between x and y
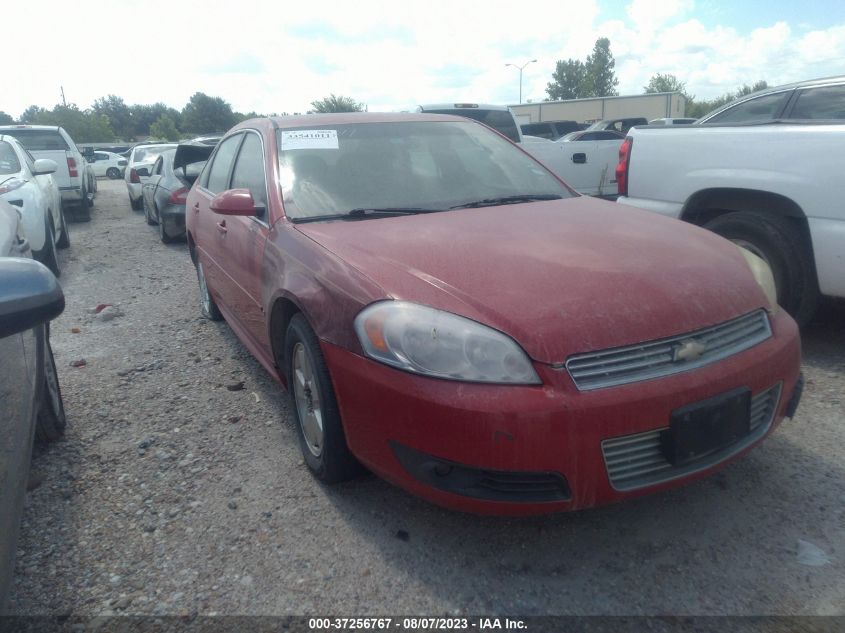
548, 428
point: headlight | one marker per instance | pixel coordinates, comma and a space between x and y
431, 342
763, 274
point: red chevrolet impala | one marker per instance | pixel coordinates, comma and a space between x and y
448, 313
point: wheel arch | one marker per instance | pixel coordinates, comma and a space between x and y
283, 310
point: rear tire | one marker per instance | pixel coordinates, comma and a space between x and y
64, 237
136, 204
209, 309
113, 173
162, 233
776, 240
321, 437
51, 422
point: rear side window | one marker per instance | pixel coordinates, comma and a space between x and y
9, 163
763, 108
827, 102
218, 175
249, 169
37, 140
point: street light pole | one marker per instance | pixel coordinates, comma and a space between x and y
520, 75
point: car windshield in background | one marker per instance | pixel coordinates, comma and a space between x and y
415, 166
38, 140
149, 154
500, 120
9, 163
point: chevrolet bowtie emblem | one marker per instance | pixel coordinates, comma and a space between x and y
688, 350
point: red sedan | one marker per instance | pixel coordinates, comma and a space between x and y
448, 313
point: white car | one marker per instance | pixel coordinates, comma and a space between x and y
108, 164
141, 159
29, 185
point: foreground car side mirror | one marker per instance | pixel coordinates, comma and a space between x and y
143, 171
234, 202
44, 166
29, 295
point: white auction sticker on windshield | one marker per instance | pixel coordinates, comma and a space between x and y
309, 139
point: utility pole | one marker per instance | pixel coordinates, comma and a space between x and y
64, 102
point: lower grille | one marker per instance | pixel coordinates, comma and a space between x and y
636, 461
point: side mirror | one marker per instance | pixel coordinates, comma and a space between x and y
44, 166
233, 202
143, 171
29, 295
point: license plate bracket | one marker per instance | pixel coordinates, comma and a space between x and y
704, 427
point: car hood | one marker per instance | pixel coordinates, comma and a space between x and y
560, 277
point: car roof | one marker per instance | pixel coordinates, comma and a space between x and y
20, 126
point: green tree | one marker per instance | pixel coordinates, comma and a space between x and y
31, 114
567, 80
337, 103
700, 108
164, 128
667, 83
206, 115
747, 90
600, 79
143, 116
6, 119
83, 126
118, 114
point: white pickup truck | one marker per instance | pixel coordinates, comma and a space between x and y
586, 164
762, 172
74, 176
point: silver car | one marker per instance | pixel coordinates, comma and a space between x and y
30, 398
138, 171
28, 184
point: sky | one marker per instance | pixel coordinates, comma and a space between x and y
270, 57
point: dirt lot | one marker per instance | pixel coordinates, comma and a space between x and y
177, 491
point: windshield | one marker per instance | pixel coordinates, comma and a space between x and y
149, 154
9, 163
410, 164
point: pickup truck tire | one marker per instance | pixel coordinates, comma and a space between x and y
776, 240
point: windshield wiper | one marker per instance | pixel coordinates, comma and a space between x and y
366, 212
492, 202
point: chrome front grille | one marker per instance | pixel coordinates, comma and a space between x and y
636, 461
623, 365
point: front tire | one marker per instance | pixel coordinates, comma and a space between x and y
48, 255
321, 436
51, 422
64, 237
113, 173
780, 244
209, 309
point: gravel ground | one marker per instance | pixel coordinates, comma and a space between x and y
180, 488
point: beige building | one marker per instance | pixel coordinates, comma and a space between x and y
650, 106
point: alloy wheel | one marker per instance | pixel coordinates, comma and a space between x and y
306, 393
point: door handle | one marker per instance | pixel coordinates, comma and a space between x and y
221, 227
196, 207
580, 157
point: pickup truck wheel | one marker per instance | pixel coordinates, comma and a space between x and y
321, 436
64, 236
776, 241
113, 173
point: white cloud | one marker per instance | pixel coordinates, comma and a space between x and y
383, 53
